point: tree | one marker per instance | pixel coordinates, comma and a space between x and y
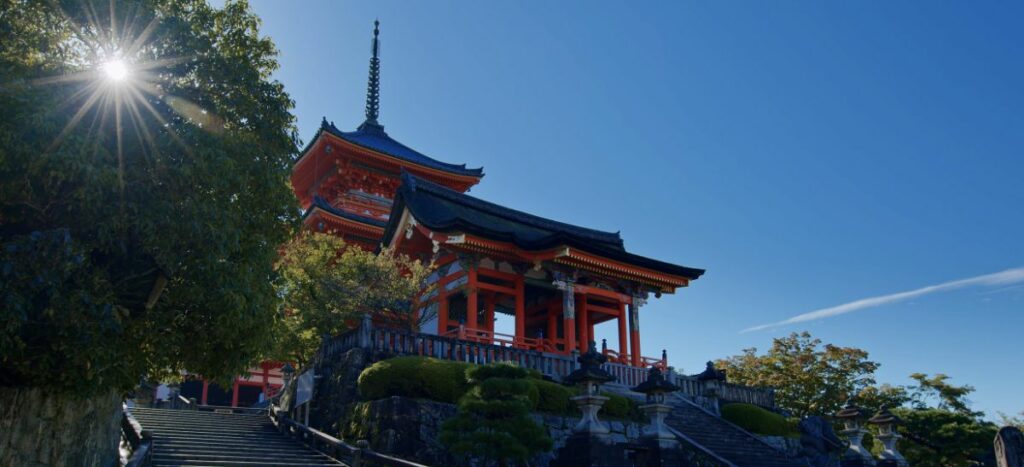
327, 286
808, 379
141, 208
493, 421
873, 398
939, 437
947, 395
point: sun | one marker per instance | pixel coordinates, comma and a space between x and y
115, 70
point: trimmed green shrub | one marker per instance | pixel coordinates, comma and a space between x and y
620, 407
553, 397
493, 422
757, 420
446, 381
418, 377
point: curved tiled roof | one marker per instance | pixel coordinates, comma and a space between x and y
372, 136
445, 210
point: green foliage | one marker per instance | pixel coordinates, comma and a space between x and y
447, 381
1012, 420
493, 421
873, 398
757, 420
553, 397
938, 437
620, 407
417, 377
138, 221
809, 379
947, 395
328, 285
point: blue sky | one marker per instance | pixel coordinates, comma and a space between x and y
807, 154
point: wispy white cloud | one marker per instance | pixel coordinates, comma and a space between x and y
998, 279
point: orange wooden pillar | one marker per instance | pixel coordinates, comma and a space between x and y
520, 307
568, 313
442, 310
234, 394
583, 319
489, 301
206, 391
472, 303
623, 341
634, 329
552, 335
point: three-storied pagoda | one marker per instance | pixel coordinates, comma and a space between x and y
557, 281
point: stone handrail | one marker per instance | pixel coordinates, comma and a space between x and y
140, 441
381, 341
359, 455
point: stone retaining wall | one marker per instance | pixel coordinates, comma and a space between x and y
410, 428
40, 428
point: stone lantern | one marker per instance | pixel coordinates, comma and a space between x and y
655, 387
888, 435
589, 377
853, 429
287, 372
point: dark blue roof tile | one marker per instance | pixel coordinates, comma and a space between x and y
372, 136
445, 210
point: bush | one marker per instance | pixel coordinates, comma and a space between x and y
446, 381
757, 420
493, 422
553, 397
417, 377
620, 407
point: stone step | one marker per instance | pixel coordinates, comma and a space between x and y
213, 448
184, 428
193, 438
188, 463
216, 457
723, 438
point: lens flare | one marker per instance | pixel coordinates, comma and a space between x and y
115, 70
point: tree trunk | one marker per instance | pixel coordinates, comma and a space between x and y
41, 428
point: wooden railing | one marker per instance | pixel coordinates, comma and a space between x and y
474, 348
359, 455
483, 336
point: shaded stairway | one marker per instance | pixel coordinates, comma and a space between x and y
195, 438
722, 437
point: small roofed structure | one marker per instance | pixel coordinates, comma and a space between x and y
557, 280
656, 386
590, 375
711, 373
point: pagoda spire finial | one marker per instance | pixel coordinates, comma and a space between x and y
373, 87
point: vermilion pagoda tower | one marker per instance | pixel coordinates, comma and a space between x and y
346, 181
556, 281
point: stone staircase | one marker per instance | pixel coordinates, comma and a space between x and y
725, 439
200, 438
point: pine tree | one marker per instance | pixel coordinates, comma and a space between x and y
493, 423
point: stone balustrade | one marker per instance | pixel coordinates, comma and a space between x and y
382, 341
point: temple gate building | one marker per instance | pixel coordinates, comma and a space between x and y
556, 281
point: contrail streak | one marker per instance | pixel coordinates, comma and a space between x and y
1004, 278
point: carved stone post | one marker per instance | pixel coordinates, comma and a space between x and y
1009, 447
364, 331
